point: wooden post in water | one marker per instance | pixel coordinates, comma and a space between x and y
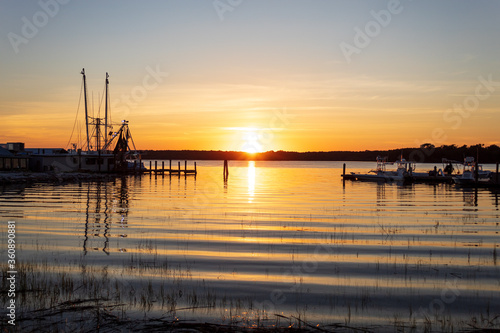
496, 175
185, 167
196, 172
476, 172
476, 167
150, 166
179, 164
156, 166
226, 170
163, 168
343, 176
170, 166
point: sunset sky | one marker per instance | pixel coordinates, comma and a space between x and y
255, 75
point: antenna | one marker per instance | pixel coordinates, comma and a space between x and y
86, 110
106, 111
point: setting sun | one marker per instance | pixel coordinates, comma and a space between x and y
251, 141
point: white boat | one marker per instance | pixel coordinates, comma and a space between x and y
382, 174
470, 171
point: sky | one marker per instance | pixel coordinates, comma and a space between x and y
253, 75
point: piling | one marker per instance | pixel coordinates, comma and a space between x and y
343, 176
161, 169
496, 175
226, 170
476, 172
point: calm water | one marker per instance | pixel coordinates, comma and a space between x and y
284, 238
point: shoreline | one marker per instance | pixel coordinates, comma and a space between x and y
423, 154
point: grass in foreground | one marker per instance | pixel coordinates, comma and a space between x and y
52, 300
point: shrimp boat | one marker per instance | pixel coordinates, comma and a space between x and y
470, 172
104, 150
381, 174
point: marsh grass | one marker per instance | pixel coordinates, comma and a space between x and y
85, 299
91, 299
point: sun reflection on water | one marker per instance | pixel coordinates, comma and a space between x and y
251, 181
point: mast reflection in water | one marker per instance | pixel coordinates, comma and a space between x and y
110, 207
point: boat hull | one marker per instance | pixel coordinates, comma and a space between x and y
73, 162
385, 177
468, 178
470, 181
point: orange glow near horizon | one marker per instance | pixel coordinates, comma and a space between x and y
227, 118
54, 130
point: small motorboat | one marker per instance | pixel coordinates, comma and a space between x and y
381, 173
472, 173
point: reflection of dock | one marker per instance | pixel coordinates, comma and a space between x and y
170, 171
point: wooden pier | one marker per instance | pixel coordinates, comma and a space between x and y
157, 170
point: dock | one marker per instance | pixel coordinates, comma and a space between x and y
428, 178
432, 179
156, 170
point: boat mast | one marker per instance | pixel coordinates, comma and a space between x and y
106, 112
86, 112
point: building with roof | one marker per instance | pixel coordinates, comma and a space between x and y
11, 162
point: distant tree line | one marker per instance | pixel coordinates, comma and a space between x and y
427, 153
